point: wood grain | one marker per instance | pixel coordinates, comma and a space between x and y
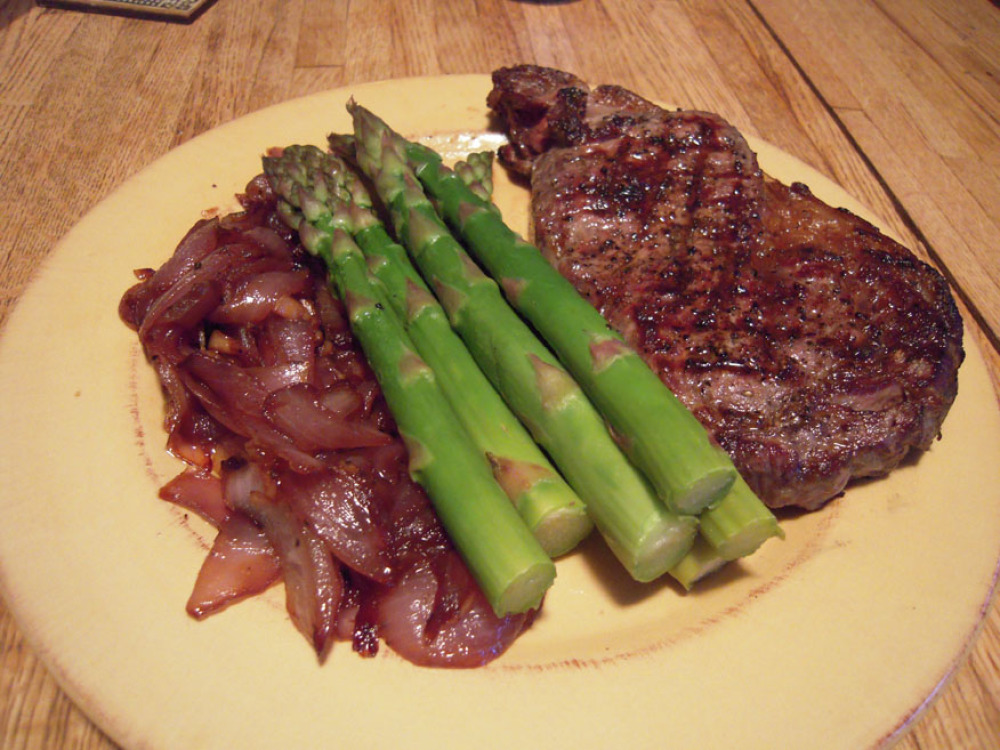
898, 101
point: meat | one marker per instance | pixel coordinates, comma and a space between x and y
813, 348
292, 454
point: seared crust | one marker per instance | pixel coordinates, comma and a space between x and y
814, 348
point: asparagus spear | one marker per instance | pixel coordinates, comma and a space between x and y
551, 509
508, 563
739, 523
643, 533
660, 435
736, 522
700, 562
733, 527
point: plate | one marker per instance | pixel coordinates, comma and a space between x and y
835, 637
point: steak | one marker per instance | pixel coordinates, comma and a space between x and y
813, 348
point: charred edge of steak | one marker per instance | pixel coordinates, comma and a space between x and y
849, 347
522, 97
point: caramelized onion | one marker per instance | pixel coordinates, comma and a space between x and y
240, 564
292, 453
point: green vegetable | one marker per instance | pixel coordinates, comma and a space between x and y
510, 566
646, 536
551, 509
476, 171
734, 527
655, 429
739, 523
700, 562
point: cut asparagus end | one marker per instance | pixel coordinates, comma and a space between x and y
739, 523
526, 592
660, 546
708, 488
560, 530
555, 515
699, 563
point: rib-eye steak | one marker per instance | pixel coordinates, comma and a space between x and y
812, 347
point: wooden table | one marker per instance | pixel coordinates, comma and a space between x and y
896, 100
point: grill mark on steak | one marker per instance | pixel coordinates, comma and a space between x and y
812, 347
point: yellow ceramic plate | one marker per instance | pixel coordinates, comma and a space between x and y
833, 638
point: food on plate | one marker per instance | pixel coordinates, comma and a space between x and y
655, 430
646, 536
292, 454
550, 508
812, 347
661, 437
394, 404
510, 565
